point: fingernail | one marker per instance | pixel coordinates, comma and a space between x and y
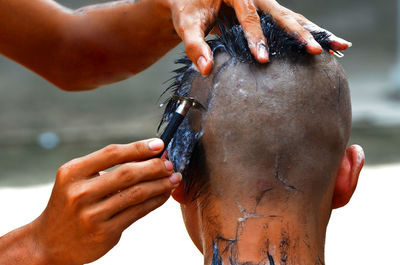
349, 44
339, 43
342, 41
156, 144
262, 52
168, 165
201, 64
175, 178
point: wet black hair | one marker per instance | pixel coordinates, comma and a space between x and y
232, 41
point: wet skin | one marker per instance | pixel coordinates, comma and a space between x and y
272, 153
100, 44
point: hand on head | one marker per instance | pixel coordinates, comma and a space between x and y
194, 19
88, 211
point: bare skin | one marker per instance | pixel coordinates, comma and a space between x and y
96, 45
274, 155
88, 210
89, 47
246, 11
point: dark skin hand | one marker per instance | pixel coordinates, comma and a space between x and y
88, 210
193, 19
100, 44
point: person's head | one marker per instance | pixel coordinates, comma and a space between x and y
266, 161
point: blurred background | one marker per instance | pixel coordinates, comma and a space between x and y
42, 127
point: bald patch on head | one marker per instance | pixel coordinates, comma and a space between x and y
279, 120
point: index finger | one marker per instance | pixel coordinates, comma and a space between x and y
286, 19
113, 155
247, 15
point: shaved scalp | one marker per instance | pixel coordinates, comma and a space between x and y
232, 43
272, 138
289, 120
259, 163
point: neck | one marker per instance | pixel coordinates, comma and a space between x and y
252, 238
265, 243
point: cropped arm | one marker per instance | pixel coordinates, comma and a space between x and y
89, 47
18, 247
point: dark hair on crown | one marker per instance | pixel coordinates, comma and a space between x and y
231, 41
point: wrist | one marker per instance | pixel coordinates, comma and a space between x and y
21, 247
37, 250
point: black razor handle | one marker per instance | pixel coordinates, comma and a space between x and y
171, 128
174, 123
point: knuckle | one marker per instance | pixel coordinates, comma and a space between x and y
140, 147
87, 218
250, 18
181, 30
180, 21
305, 34
283, 12
136, 193
157, 163
111, 150
126, 173
89, 221
282, 16
64, 172
287, 19
157, 166
75, 195
300, 17
190, 45
166, 185
186, 24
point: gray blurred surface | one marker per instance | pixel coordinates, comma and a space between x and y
127, 111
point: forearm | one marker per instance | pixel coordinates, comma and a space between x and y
89, 47
120, 39
18, 247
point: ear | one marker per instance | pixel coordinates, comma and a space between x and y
347, 175
190, 215
179, 193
